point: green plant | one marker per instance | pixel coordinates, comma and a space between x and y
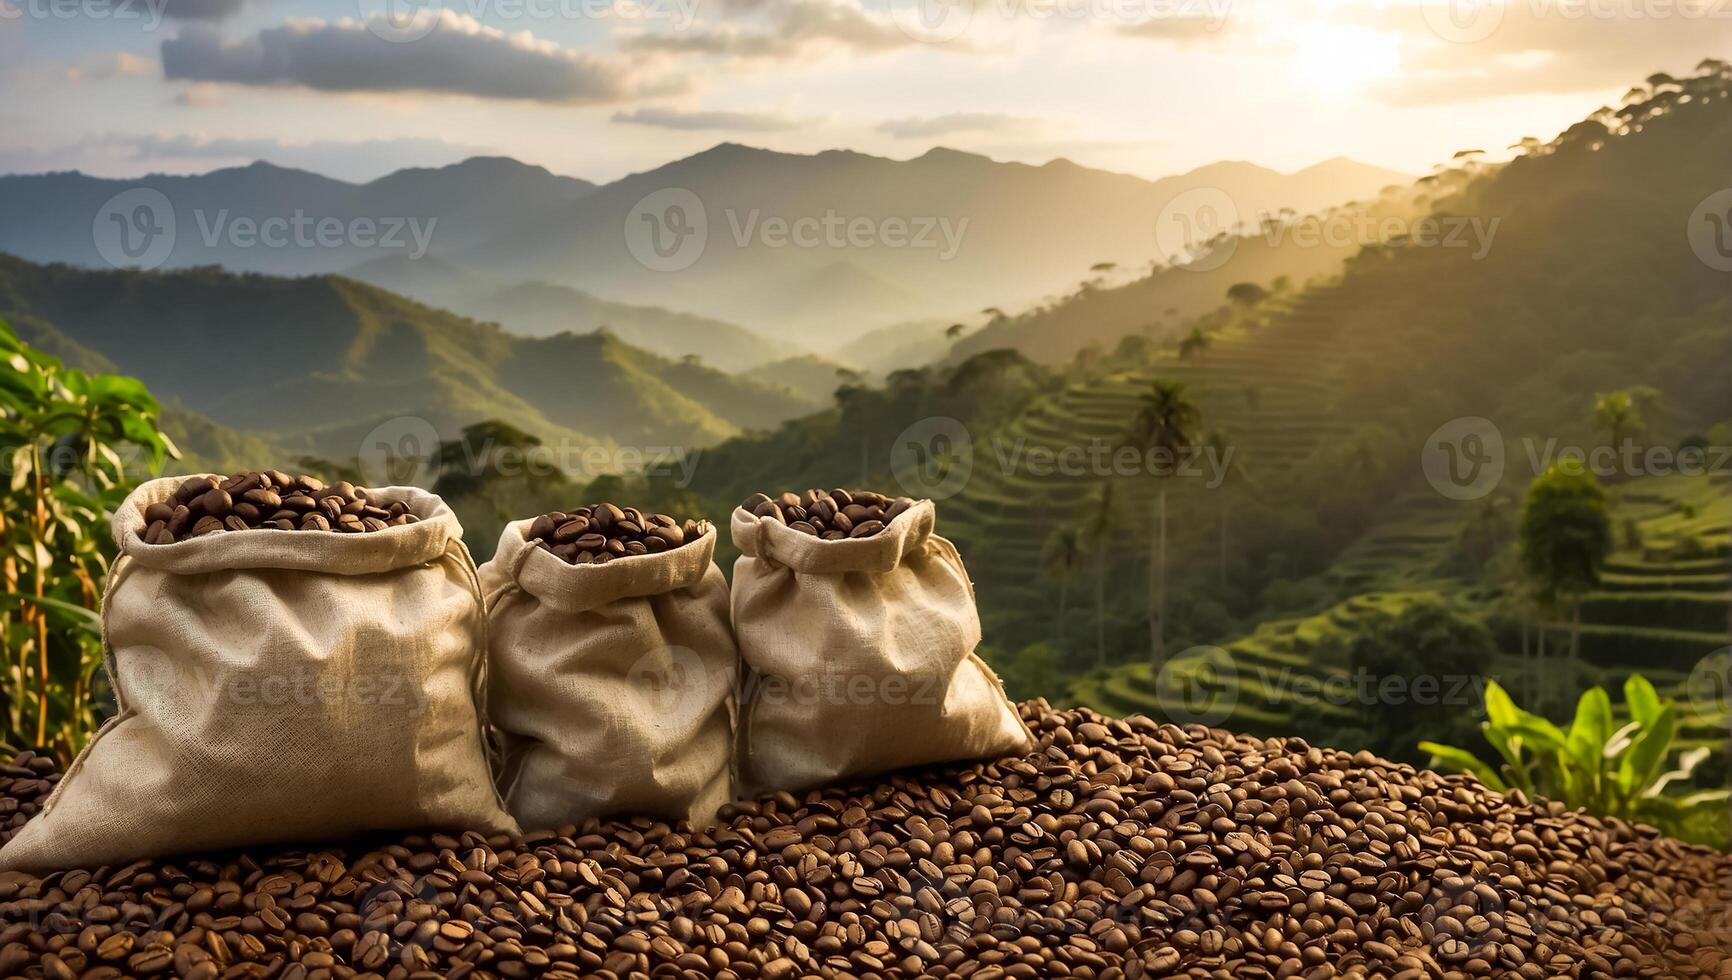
1614, 771
62, 436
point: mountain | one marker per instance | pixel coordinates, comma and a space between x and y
326, 225
1337, 422
321, 360
812, 250
938, 235
539, 309
812, 376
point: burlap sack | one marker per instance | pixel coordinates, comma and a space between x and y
612, 685
278, 686
861, 655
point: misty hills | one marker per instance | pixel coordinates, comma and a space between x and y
811, 249
314, 363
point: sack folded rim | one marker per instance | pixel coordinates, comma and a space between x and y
770, 540
580, 588
335, 552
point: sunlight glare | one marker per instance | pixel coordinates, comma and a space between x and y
1336, 60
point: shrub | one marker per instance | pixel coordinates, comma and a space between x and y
1615, 772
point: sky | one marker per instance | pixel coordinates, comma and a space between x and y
602, 88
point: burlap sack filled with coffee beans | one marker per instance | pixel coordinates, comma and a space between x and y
612, 685
861, 655
278, 686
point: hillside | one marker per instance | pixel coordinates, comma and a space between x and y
321, 360
1326, 395
539, 309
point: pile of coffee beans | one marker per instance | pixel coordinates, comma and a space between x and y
1116, 848
267, 500
602, 532
830, 514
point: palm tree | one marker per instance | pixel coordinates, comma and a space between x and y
1163, 424
1619, 413
1097, 531
1221, 447
1061, 557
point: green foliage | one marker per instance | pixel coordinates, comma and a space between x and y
1435, 650
66, 437
1596, 764
1565, 531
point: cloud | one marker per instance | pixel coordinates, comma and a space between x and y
931, 127
104, 66
202, 9
739, 122
793, 29
1180, 29
1551, 48
457, 55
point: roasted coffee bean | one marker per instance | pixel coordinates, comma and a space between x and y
267, 500
1113, 849
602, 532
830, 514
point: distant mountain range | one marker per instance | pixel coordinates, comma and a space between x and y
811, 250
313, 364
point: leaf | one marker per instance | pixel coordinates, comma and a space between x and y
1462, 760
1621, 740
1641, 698
1642, 763
1591, 729
1500, 708
86, 617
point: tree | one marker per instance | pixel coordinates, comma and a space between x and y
1621, 413
66, 436
1427, 639
470, 465
1247, 293
1565, 535
1061, 557
1097, 536
1195, 342
1163, 426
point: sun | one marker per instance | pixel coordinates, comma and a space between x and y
1337, 60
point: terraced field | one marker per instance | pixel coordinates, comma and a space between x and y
1656, 613
1268, 388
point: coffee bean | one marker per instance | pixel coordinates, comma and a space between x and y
266, 500
829, 514
600, 533
1114, 848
